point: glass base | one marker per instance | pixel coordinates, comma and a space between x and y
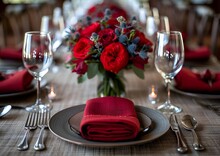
38, 108
169, 108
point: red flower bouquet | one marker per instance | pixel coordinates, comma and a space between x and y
105, 47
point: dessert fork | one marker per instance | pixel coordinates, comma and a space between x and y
42, 124
31, 124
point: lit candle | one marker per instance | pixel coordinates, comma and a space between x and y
52, 94
152, 97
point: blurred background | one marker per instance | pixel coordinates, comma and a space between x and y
199, 20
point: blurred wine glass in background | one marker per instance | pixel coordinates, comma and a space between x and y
156, 23
55, 25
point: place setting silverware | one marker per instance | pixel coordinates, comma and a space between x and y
12, 106
189, 123
31, 124
4, 110
35, 120
43, 121
212, 104
181, 145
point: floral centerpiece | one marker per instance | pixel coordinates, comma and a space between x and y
106, 47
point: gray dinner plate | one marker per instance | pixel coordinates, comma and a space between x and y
196, 95
60, 127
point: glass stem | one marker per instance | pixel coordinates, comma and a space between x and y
38, 101
168, 91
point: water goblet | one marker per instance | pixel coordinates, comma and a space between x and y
169, 58
37, 57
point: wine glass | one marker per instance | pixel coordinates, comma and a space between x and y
168, 60
37, 57
155, 24
55, 26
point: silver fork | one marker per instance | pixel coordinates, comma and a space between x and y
210, 104
31, 124
42, 124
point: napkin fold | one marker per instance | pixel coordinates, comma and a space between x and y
109, 119
15, 82
11, 53
197, 54
204, 82
200, 53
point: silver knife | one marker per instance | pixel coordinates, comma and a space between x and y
181, 145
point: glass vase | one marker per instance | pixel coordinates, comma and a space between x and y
110, 84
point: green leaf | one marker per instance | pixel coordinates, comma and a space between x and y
81, 78
101, 68
138, 72
92, 70
107, 87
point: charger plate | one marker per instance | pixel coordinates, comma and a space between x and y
60, 127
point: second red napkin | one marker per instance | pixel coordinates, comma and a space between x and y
18, 81
197, 54
109, 119
11, 53
188, 80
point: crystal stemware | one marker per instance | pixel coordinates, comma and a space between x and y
37, 57
156, 24
169, 58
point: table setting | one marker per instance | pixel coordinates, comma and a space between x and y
116, 92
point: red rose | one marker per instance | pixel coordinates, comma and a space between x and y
117, 11
91, 10
81, 67
87, 32
107, 36
96, 11
82, 48
143, 39
139, 62
112, 23
114, 57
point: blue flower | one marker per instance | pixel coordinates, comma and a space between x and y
123, 39
131, 48
143, 54
136, 40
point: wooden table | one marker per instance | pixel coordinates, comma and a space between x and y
69, 94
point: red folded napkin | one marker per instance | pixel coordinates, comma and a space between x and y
206, 82
109, 119
11, 53
199, 53
18, 81
195, 53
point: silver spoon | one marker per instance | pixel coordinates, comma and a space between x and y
190, 123
4, 110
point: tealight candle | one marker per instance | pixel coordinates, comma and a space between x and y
51, 93
152, 96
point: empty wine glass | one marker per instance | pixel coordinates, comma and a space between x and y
37, 57
169, 58
155, 24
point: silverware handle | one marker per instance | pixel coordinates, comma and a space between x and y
39, 145
196, 143
23, 145
181, 145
